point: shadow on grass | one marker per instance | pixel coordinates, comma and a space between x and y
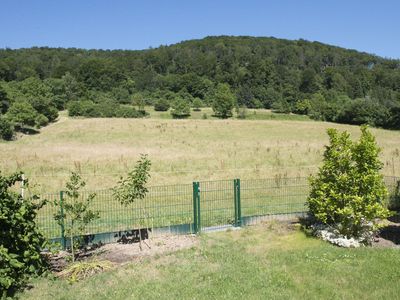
28, 130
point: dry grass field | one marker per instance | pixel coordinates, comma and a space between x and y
181, 151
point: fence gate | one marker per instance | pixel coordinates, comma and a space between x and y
216, 204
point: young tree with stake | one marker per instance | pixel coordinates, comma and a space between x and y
77, 214
133, 187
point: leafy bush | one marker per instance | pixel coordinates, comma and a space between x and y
127, 112
22, 114
348, 191
394, 120
161, 105
362, 111
281, 106
21, 241
180, 109
105, 109
6, 129
302, 107
197, 104
41, 120
4, 101
45, 107
4, 105
224, 101
74, 108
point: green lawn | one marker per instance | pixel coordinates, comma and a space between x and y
262, 262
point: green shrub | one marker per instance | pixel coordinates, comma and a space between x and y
41, 120
74, 109
363, 111
394, 119
45, 107
161, 105
197, 104
80, 108
6, 129
21, 241
224, 101
302, 107
105, 109
281, 106
22, 114
348, 191
180, 109
127, 112
142, 113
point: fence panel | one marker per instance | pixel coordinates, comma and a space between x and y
162, 207
213, 204
278, 196
217, 206
45, 217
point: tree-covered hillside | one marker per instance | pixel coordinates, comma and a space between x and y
325, 82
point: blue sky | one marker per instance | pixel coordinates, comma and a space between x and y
371, 26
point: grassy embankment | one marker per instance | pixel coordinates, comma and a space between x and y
262, 262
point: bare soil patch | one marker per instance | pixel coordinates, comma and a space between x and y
120, 253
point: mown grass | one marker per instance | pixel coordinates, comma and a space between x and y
262, 262
181, 151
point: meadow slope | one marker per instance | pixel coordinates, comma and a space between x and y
181, 150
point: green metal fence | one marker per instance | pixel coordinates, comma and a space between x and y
187, 208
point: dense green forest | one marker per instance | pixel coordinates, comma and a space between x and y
325, 82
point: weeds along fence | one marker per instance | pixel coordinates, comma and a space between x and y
187, 208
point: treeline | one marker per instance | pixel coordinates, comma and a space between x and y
325, 82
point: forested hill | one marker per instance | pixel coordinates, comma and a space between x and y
325, 82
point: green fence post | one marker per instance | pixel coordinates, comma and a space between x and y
195, 206
239, 205
198, 208
63, 241
235, 201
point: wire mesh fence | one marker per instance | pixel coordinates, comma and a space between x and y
274, 196
216, 203
203, 205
